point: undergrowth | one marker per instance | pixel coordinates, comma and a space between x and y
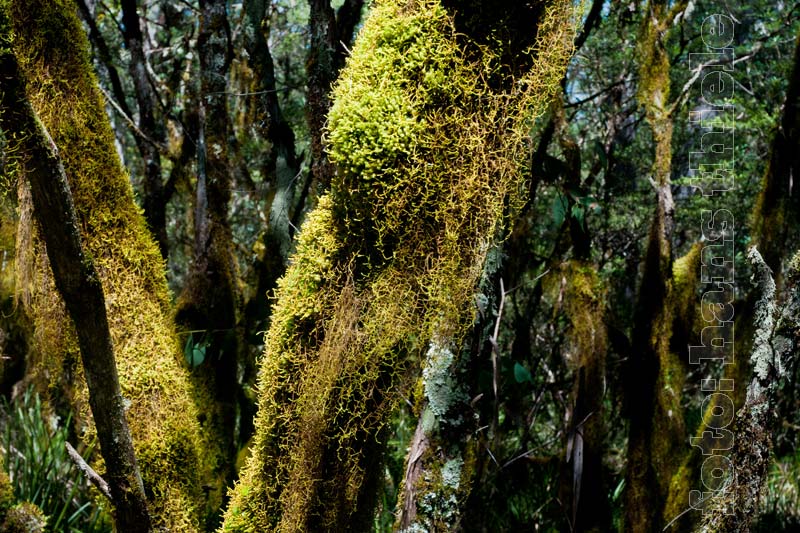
32, 445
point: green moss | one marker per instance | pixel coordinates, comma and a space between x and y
6, 494
24, 518
428, 160
164, 404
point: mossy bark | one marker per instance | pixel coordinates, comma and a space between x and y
778, 206
428, 139
176, 452
773, 356
209, 303
585, 354
155, 197
76, 280
654, 375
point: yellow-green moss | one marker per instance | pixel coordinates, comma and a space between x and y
428, 159
24, 518
176, 454
6, 493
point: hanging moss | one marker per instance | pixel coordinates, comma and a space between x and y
428, 161
177, 455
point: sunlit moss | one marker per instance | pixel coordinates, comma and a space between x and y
177, 455
428, 166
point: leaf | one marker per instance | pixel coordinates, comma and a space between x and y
198, 355
187, 349
618, 490
522, 374
577, 212
590, 204
559, 209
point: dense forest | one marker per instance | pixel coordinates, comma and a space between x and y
399, 265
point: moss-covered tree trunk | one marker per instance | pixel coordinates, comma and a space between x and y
76, 280
155, 199
775, 208
655, 377
773, 356
209, 303
427, 133
778, 207
176, 451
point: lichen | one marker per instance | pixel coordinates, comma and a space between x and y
165, 405
441, 387
762, 357
451, 473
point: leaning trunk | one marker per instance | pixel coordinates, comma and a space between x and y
162, 409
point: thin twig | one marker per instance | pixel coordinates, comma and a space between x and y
93, 476
161, 148
495, 347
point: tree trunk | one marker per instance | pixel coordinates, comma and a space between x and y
655, 377
387, 266
163, 409
331, 35
209, 303
735, 502
155, 199
77, 282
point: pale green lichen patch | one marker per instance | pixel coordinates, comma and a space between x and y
451, 473
762, 357
441, 386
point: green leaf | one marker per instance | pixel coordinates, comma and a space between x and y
198, 355
577, 212
559, 209
618, 490
522, 374
187, 349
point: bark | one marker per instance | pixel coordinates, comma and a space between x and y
105, 56
77, 281
155, 197
653, 376
209, 301
773, 355
778, 206
331, 34
284, 165
165, 406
